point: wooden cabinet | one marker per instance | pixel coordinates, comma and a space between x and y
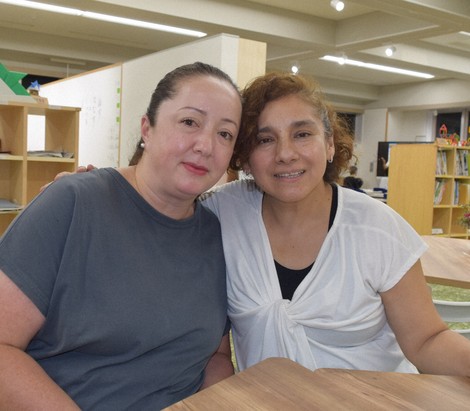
427, 183
21, 173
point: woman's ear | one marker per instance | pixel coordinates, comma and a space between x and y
331, 148
144, 128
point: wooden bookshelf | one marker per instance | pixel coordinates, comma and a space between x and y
21, 174
427, 183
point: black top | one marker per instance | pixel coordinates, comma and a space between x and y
289, 279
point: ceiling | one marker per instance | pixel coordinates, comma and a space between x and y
425, 34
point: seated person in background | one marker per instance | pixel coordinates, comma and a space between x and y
354, 183
112, 282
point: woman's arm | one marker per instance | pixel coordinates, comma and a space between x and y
23, 383
220, 365
423, 336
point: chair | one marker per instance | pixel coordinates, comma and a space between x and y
453, 311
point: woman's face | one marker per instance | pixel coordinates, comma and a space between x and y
289, 160
189, 148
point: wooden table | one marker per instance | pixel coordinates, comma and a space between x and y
281, 384
447, 261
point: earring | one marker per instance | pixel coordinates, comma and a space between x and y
142, 145
330, 160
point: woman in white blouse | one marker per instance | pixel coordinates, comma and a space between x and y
323, 275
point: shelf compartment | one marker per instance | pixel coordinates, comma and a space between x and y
443, 191
11, 181
457, 229
445, 161
441, 219
12, 130
462, 158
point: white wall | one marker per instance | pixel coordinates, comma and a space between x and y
426, 95
408, 126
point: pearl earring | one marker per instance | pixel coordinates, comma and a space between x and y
142, 145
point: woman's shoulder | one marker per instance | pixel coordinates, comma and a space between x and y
84, 183
365, 208
239, 188
233, 196
369, 215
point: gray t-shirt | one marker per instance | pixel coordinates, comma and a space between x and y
135, 302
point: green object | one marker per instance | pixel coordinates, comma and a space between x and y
12, 80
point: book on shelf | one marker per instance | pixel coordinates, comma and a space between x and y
461, 193
47, 153
461, 163
441, 163
439, 189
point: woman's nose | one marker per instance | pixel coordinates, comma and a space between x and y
203, 144
285, 151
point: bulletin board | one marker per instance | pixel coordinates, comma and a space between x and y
98, 94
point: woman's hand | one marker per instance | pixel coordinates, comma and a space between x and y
80, 169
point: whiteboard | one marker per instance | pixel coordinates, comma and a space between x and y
98, 94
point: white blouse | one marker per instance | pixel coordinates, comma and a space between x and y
336, 317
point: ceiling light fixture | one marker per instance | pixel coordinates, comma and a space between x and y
379, 67
390, 51
103, 17
67, 61
338, 5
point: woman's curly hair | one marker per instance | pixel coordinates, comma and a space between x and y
275, 85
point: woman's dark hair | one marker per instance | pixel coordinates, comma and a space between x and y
273, 86
168, 87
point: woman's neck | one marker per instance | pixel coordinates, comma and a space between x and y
315, 206
159, 199
296, 231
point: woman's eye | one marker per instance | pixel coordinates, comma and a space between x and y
303, 134
188, 121
264, 140
226, 135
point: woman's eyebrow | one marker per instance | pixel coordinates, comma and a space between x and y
297, 123
204, 113
193, 108
301, 123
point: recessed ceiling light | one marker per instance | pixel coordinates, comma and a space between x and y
337, 5
390, 51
